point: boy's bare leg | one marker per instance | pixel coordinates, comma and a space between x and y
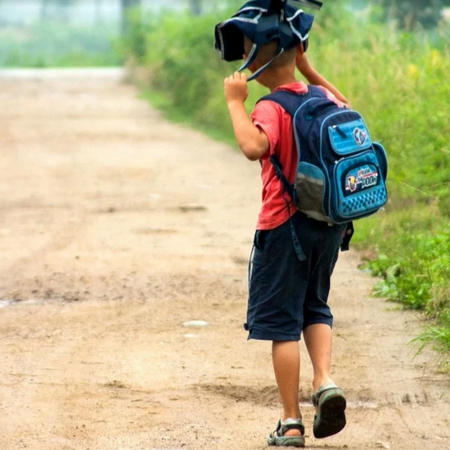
286, 364
318, 342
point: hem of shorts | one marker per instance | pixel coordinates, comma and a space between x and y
318, 322
261, 336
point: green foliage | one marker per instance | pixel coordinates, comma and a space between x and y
52, 44
417, 268
439, 337
134, 41
397, 80
184, 67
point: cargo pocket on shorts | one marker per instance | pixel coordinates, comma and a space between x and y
259, 244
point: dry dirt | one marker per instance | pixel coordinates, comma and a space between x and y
116, 228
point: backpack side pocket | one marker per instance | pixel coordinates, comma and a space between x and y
310, 187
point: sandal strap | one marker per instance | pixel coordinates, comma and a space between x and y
290, 424
316, 396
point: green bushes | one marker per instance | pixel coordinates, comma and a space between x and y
397, 81
185, 69
415, 276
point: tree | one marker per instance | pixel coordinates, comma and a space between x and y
410, 13
44, 9
196, 7
55, 8
98, 11
127, 6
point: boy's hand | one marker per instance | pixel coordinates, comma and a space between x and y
236, 88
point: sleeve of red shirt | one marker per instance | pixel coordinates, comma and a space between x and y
267, 117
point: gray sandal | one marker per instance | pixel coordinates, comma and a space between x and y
330, 417
278, 439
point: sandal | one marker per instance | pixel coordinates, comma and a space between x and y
278, 439
330, 417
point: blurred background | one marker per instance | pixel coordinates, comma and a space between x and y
43, 33
390, 58
46, 33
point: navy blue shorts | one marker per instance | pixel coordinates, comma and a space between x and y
287, 295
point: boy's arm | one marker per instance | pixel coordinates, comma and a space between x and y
314, 77
252, 141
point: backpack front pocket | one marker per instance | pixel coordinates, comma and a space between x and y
360, 186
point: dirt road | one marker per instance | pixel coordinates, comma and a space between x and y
117, 228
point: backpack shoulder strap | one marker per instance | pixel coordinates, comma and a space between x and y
290, 101
287, 187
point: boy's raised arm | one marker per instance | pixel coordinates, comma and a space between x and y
252, 141
314, 77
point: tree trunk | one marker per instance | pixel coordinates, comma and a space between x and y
196, 7
56, 9
63, 9
126, 6
98, 12
44, 9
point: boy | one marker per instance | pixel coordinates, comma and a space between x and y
287, 296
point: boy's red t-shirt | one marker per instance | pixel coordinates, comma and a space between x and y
276, 123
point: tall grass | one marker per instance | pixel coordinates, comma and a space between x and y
398, 81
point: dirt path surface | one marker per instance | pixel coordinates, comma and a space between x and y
117, 228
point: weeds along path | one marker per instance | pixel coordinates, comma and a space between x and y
117, 228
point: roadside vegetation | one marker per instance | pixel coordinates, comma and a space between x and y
55, 44
397, 79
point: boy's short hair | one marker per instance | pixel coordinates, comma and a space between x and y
269, 51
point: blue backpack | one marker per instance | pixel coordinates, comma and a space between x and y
341, 174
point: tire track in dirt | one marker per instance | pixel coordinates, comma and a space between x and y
116, 228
